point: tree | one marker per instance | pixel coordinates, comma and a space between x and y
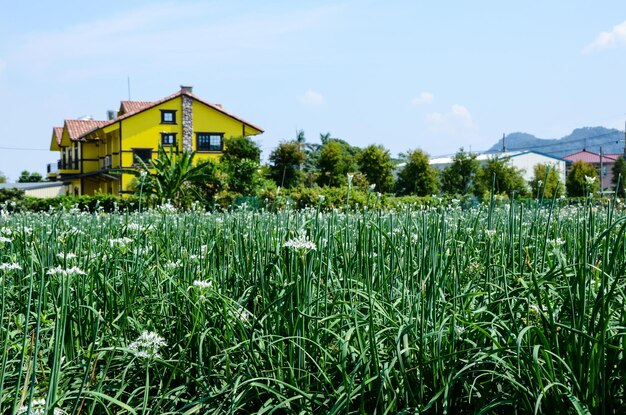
582, 179
499, 176
285, 161
417, 177
546, 181
173, 177
459, 177
3, 178
28, 177
376, 164
336, 159
619, 176
240, 161
239, 148
244, 176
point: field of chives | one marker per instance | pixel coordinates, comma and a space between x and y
510, 309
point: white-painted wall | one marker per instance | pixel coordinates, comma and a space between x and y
527, 162
524, 161
46, 192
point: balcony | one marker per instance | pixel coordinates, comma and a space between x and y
53, 168
106, 163
62, 167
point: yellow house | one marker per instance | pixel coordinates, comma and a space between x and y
95, 154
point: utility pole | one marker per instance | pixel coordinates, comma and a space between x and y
504, 143
625, 140
601, 169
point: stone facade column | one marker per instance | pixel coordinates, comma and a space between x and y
187, 122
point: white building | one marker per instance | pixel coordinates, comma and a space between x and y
524, 160
38, 189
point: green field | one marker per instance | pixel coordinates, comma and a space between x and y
511, 309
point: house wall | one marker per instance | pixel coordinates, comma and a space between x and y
528, 161
47, 192
209, 120
109, 150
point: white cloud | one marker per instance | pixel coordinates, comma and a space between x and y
606, 40
154, 37
311, 98
458, 114
423, 98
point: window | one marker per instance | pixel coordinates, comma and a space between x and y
209, 141
143, 154
168, 116
168, 139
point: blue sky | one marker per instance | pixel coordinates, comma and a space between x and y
404, 74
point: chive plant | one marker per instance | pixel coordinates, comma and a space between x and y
506, 308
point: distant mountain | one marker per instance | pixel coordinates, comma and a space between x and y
589, 138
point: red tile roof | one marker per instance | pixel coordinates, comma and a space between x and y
133, 106
78, 128
589, 157
140, 106
58, 134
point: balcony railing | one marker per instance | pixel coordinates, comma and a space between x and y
61, 165
105, 163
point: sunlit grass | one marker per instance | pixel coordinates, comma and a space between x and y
512, 309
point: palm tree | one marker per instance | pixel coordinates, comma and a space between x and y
173, 177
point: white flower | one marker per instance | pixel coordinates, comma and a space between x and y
171, 265
203, 285
300, 243
350, 177
66, 272
66, 256
147, 345
241, 313
4, 240
133, 227
589, 181
120, 242
6, 231
8, 266
37, 407
166, 208
556, 242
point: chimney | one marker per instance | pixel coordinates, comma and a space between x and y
111, 115
186, 89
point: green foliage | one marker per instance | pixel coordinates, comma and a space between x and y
582, 179
497, 175
243, 176
3, 178
28, 177
285, 164
336, 159
458, 178
376, 164
17, 202
619, 176
546, 182
436, 310
417, 176
173, 177
240, 148
240, 162
11, 195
